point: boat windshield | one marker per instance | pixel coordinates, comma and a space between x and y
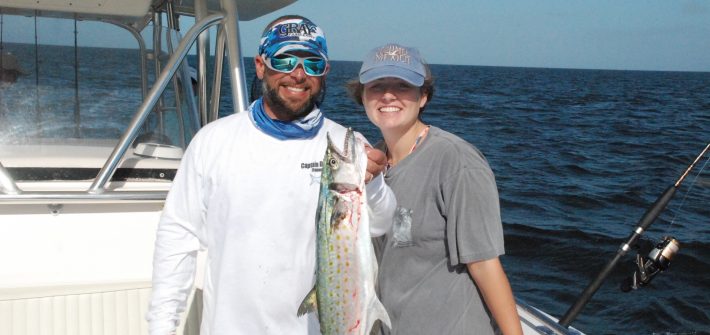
66, 104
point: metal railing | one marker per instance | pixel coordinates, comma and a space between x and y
97, 191
98, 186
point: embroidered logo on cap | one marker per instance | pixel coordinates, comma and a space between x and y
393, 53
293, 34
305, 29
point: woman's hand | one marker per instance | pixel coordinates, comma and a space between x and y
376, 162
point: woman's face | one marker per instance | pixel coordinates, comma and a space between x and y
392, 104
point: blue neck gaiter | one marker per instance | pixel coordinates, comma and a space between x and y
303, 128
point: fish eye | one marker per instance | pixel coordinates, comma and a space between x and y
333, 163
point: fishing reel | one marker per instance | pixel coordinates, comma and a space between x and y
659, 259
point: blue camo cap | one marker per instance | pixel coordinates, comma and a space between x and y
393, 60
292, 35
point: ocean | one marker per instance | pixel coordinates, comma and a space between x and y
579, 155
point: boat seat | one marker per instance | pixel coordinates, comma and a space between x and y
152, 137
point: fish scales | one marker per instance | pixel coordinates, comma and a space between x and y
344, 294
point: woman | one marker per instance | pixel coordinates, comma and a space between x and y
439, 266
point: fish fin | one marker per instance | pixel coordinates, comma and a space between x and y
377, 316
309, 304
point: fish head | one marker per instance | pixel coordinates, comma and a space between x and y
346, 171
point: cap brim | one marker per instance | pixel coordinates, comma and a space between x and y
380, 72
303, 46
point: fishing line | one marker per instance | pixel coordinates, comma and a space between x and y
675, 215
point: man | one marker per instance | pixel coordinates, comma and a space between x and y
247, 191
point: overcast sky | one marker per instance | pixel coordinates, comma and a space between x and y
602, 34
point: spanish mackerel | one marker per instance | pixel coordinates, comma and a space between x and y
346, 269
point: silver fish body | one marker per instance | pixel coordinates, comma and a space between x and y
344, 293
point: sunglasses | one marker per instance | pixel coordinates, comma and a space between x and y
313, 66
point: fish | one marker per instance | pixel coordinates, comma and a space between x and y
344, 295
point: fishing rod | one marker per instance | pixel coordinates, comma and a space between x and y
666, 248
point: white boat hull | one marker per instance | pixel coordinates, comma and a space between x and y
77, 243
83, 268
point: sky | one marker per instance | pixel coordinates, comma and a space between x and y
604, 34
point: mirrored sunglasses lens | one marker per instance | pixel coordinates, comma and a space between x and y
314, 66
284, 64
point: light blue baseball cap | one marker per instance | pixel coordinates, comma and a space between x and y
393, 60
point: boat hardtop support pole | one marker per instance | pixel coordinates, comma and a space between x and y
217, 80
236, 63
651, 214
77, 102
203, 47
38, 110
157, 61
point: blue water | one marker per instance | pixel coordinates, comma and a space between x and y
579, 155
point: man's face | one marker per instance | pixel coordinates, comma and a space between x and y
288, 96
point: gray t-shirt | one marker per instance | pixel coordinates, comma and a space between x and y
448, 215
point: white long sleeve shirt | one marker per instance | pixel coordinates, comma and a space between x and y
250, 200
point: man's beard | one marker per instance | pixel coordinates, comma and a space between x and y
279, 107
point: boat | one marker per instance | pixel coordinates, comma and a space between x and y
79, 204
